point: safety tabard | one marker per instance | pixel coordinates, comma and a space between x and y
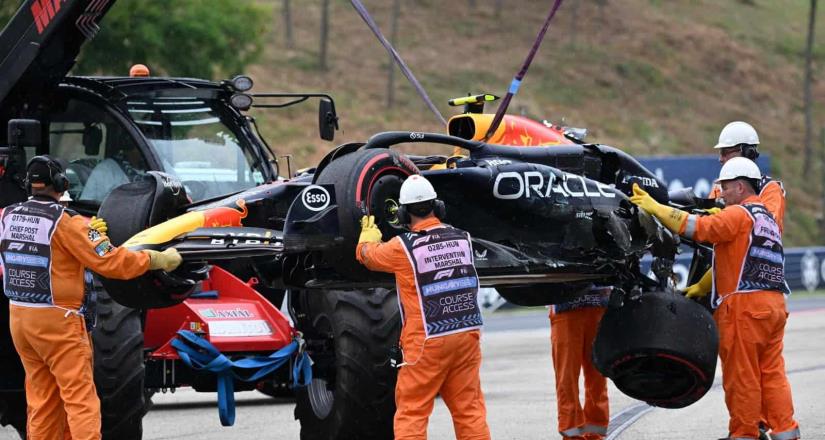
25, 237
445, 278
763, 265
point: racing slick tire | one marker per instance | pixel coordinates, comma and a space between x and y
660, 348
350, 335
119, 369
129, 209
367, 182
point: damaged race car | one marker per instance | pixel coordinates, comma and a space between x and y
548, 214
548, 223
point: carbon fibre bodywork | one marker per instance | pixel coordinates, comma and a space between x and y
538, 215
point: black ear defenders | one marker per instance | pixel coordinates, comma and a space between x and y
749, 151
56, 175
439, 210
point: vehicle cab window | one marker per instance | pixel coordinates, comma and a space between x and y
99, 152
195, 142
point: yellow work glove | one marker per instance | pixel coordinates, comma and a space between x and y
99, 225
369, 232
167, 260
671, 218
713, 211
701, 288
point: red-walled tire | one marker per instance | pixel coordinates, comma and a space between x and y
366, 182
660, 348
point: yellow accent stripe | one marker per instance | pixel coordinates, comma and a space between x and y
167, 230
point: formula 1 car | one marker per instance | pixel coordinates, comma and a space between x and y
548, 224
548, 221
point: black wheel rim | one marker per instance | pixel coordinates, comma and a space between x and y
383, 203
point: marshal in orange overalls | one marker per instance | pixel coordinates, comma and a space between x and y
573, 328
751, 321
772, 195
447, 365
48, 332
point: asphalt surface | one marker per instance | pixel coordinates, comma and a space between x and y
517, 378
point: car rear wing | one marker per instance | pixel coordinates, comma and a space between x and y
41, 42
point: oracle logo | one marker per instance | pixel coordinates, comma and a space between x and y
515, 185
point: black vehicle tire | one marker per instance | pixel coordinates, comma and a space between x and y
129, 209
119, 369
352, 394
366, 182
660, 348
13, 411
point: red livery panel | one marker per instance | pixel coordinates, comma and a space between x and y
227, 312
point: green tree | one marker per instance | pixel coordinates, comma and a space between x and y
205, 39
7, 9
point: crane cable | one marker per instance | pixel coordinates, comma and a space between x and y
362, 11
516, 83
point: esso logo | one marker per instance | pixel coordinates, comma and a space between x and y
315, 198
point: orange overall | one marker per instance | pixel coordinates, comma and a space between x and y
51, 339
446, 365
772, 195
751, 328
571, 338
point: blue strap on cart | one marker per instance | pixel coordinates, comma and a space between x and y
199, 354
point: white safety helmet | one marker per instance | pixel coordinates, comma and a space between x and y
739, 167
736, 133
416, 189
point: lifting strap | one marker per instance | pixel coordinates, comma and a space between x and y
365, 15
516, 83
199, 354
